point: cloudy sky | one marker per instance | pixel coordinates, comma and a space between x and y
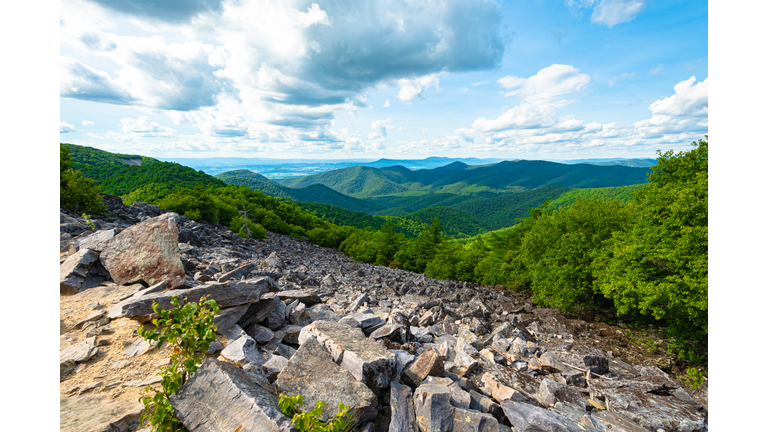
336, 79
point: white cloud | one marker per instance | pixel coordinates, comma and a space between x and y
547, 86
143, 127
386, 104
88, 123
685, 111
65, 127
613, 80
610, 12
411, 89
523, 116
613, 12
380, 128
657, 69
479, 83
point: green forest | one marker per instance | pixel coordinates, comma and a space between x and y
640, 251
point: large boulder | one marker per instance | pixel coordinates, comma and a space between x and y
221, 397
362, 357
98, 414
226, 295
312, 373
148, 252
74, 271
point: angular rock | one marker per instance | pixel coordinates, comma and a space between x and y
228, 317
139, 347
366, 320
258, 311
243, 351
551, 363
393, 332
459, 397
226, 295
291, 334
348, 320
429, 363
551, 392
306, 296
261, 335
362, 357
318, 312
74, 271
79, 352
499, 391
220, 397
273, 366
401, 403
484, 404
238, 272
615, 422
312, 373
276, 319
98, 414
432, 404
465, 420
596, 364
403, 359
528, 418
274, 260
148, 251
95, 316
95, 241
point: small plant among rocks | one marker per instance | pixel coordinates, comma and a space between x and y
312, 421
189, 330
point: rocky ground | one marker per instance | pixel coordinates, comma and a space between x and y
406, 351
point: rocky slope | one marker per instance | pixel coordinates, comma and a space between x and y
407, 352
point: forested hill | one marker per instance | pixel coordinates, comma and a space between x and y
316, 193
119, 174
459, 178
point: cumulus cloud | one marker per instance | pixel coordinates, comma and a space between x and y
292, 65
143, 127
610, 12
65, 127
685, 111
386, 104
657, 69
380, 128
88, 123
547, 86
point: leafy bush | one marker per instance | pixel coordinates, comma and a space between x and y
76, 192
190, 330
312, 421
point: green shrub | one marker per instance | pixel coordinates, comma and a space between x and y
190, 330
76, 192
312, 421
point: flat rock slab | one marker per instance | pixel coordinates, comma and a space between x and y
306, 296
528, 418
615, 422
258, 311
98, 414
95, 241
79, 352
106, 294
226, 295
312, 373
366, 360
228, 317
221, 397
74, 271
653, 411
238, 272
148, 251
243, 351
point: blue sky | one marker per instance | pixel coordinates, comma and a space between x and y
534, 79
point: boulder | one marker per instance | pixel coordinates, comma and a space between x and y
362, 357
226, 295
258, 311
96, 241
148, 251
98, 414
220, 397
74, 271
465, 420
528, 418
312, 373
428, 363
243, 351
432, 404
401, 404
228, 317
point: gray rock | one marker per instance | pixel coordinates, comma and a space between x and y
551, 363
261, 335
459, 397
318, 312
258, 311
139, 347
393, 332
401, 403
551, 392
214, 347
65, 368
74, 271
615, 422
465, 420
432, 404
238, 272
243, 351
484, 404
148, 251
79, 352
95, 316
348, 320
596, 364
428, 363
306, 296
528, 418
274, 260
226, 295
273, 366
366, 320
276, 319
357, 302
291, 334
221, 397
403, 359
228, 317
95, 241
312, 373
362, 357
98, 414
285, 351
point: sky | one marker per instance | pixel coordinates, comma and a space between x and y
532, 79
